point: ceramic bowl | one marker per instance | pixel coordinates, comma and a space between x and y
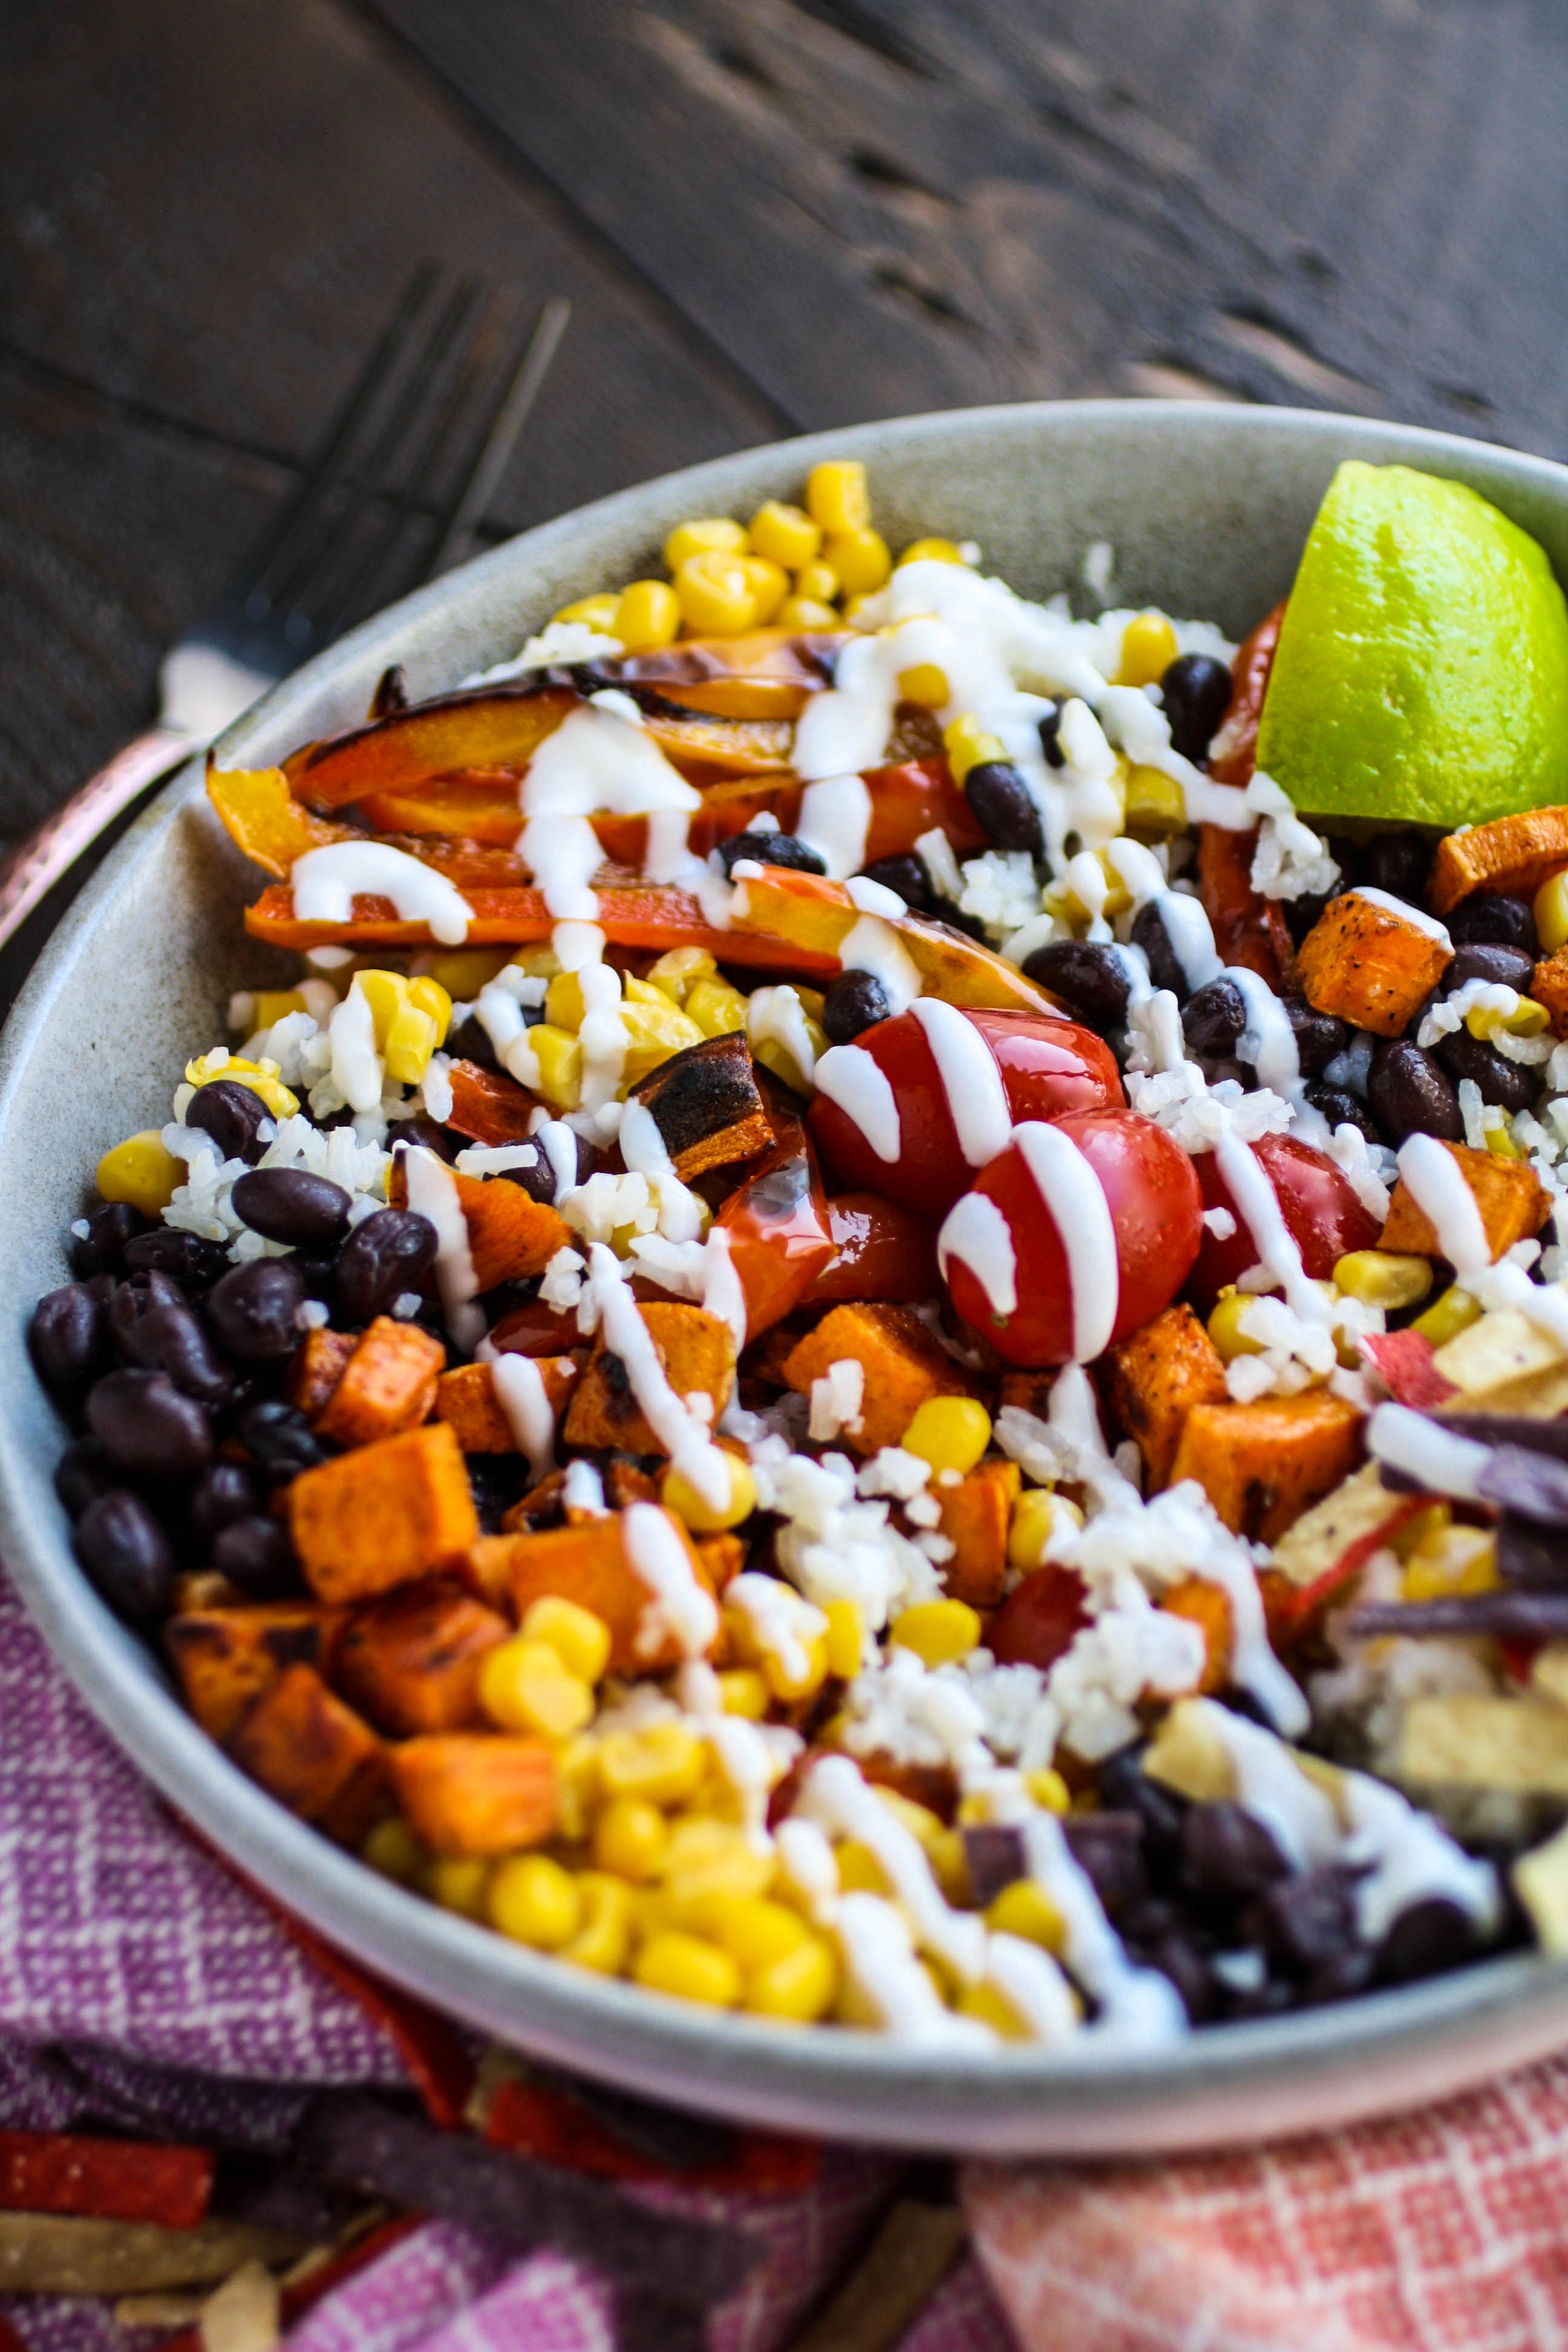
1206, 508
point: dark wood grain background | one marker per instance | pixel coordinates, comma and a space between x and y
769, 215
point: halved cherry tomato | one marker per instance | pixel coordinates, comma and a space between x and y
1037, 1623
1151, 1191
1321, 1210
1047, 1067
882, 1252
779, 1236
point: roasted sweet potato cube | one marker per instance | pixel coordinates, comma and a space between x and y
466, 1397
314, 1755
1512, 1200
226, 1657
722, 1557
1368, 965
1510, 857
1549, 986
318, 1367
588, 1563
511, 1236
903, 1365
976, 1515
1206, 1606
698, 1353
707, 1107
476, 1793
1154, 1379
1026, 1392
387, 1385
1262, 1465
411, 1660
384, 1514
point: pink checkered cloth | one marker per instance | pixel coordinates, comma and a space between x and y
132, 1963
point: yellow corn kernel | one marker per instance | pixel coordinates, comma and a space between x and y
140, 1172
1502, 1145
1425, 1529
938, 1632
705, 1518
535, 1901
743, 1692
846, 1639
458, 1885
679, 969
1153, 803
465, 970
538, 962
1148, 649
1037, 1514
949, 1432
705, 535
603, 1941
595, 612
707, 1857
968, 745
798, 1988
410, 1042
1382, 1277
837, 496
1047, 1788
820, 582
689, 1968
932, 551
919, 1820
1447, 1317
989, 2007
716, 1008
926, 685
563, 1001
579, 1639
648, 616
806, 613
577, 1786
859, 1872
654, 1032
1452, 1561
663, 1762
1224, 1327
861, 560
755, 1930
1528, 1019
387, 993
1026, 1909
393, 1852
950, 1864
524, 1687
427, 994
1552, 913
276, 1004
717, 599
560, 1058
785, 534
631, 1839
770, 585
261, 1077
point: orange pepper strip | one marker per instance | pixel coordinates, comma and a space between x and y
1233, 754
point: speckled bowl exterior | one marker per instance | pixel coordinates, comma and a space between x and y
1206, 508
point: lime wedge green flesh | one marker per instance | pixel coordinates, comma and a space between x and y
1421, 671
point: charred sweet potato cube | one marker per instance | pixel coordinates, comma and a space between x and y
588, 1563
1026, 1392
318, 1367
1510, 857
1549, 986
474, 1793
902, 1363
976, 1515
1206, 1606
314, 1755
1368, 965
384, 1514
698, 1353
387, 1385
466, 1397
1262, 1465
226, 1657
1154, 1378
1512, 1200
410, 1662
707, 1107
511, 1236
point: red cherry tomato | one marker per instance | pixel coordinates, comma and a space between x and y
777, 1225
1036, 1624
1121, 1163
883, 1253
1047, 1067
1322, 1211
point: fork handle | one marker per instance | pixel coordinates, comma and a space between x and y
34, 866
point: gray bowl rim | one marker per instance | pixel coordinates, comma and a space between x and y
1385, 2050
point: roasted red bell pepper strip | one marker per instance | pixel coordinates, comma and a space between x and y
1248, 929
778, 1232
105, 2180
1233, 754
488, 1107
915, 797
880, 1251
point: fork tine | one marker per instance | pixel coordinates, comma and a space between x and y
509, 416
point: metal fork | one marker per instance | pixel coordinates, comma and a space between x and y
391, 497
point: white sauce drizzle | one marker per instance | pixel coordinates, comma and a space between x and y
975, 1232
682, 1609
585, 1490
1275, 1055
848, 1077
1258, 1203
521, 1395
356, 1069
785, 1626
970, 1079
834, 820
872, 945
684, 1438
596, 762
433, 1193
1437, 1458
1403, 912
327, 881
1075, 1200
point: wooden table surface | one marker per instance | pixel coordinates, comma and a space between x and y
770, 215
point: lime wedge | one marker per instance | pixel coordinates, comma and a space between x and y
1422, 673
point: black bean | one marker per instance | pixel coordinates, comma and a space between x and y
231, 1114
1505, 922
148, 1426
98, 1251
280, 1437
1320, 1037
1342, 1109
1505, 967
470, 1041
1408, 1094
1341, 1977
227, 1492
253, 1311
1225, 1851
772, 849
1304, 914
172, 1340
1125, 1785
1244, 1073
994, 1856
290, 1204
425, 1132
1195, 691
1514, 1084
1166, 969
1212, 1019
390, 1251
537, 1177
67, 1338
856, 1000
1178, 1956
85, 1471
318, 1270
258, 1554
1108, 1847
133, 1303
1305, 1922
1432, 1935
908, 877
124, 1549
187, 1257
1003, 806
1050, 732
1399, 863
1090, 977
